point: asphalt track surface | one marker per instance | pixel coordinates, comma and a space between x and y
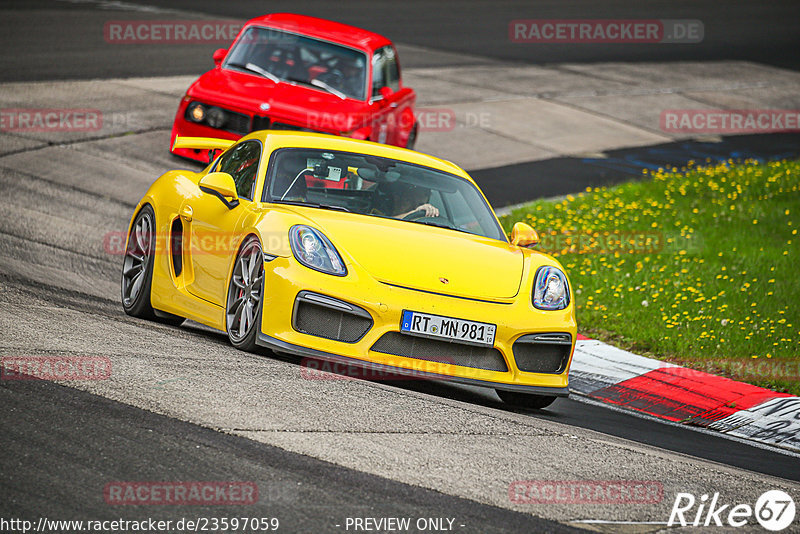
560, 176
58, 39
49, 432
104, 440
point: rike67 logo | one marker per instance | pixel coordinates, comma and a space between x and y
774, 510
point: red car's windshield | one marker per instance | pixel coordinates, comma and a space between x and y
284, 56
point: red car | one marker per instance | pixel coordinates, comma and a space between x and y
293, 72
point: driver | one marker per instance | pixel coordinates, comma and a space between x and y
353, 78
412, 198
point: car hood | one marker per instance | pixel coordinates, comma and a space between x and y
422, 257
247, 92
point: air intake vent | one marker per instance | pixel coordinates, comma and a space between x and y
176, 245
432, 350
322, 316
543, 353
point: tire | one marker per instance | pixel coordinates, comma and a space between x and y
525, 400
245, 292
137, 271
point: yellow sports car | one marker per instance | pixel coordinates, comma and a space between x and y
352, 252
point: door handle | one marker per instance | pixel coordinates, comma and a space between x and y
393, 105
186, 212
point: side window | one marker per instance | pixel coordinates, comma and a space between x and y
241, 162
392, 70
385, 71
378, 74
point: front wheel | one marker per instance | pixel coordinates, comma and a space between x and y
525, 400
245, 290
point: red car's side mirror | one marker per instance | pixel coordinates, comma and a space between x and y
386, 92
219, 55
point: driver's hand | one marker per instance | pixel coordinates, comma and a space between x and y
429, 209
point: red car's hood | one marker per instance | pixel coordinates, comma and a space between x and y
296, 103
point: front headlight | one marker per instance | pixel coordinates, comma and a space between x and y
196, 112
550, 289
311, 248
215, 118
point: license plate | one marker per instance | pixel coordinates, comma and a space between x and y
449, 328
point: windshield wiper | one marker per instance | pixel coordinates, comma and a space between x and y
319, 83
252, 67
429, 223
312, 205
332, 90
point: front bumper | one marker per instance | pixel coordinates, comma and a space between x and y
277, 345
285, 279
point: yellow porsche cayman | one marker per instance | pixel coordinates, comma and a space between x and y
352, 252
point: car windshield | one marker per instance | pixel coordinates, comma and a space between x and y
284, 56
379, 187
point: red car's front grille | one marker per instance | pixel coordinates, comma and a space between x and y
237, 123
260, 123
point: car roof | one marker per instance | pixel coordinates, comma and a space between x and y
322, 29
275, 139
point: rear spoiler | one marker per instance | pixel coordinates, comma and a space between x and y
202, 143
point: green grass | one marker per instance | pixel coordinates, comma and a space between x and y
707, 274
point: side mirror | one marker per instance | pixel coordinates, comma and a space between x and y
219, 55
522, 235
386, 92
222, 186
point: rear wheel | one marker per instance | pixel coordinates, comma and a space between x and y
137, 270
525, 400
245, 290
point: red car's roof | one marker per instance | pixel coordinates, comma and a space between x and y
323, 29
